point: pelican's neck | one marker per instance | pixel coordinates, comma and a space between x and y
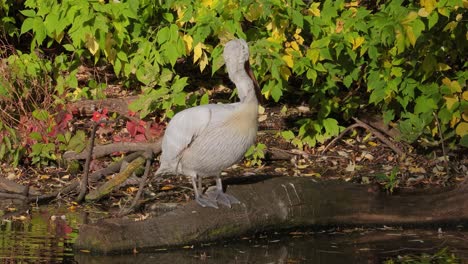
245, 89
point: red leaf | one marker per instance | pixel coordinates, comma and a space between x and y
131, 128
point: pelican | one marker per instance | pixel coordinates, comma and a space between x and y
204, 140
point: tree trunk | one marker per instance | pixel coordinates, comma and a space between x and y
274, 204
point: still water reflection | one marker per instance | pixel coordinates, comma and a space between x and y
48, 235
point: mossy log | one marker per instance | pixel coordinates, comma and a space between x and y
275, 204
110, 185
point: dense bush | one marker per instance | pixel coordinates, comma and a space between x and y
403, 59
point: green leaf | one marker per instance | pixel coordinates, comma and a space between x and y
40, 114
217, 59
424, 104
388, 116
35, 136
204, 99
432, 20
312, 75
122, 56
28, 13
276, 92
179, 84
27, 25
287, 135
377, 86
39, 29
51, 23
2, 151
297, 18
464, 141
347, 81
331, 126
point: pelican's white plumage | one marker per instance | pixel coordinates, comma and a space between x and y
204, 140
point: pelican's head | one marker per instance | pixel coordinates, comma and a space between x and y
236, 54
236, 57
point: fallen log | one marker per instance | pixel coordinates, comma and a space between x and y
274, 204
104, 150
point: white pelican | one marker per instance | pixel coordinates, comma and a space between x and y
204, 140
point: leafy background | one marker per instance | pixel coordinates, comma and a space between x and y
403, 60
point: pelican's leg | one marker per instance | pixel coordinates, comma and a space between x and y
202, 200
221, 197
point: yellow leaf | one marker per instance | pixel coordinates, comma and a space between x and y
207, 3
261, 110
417, 170
454, 121
188, 40
225, 36
410, 35
313, 55
298, 37
294, 45
450, 101
450, 26
428, 5
462, 129
409, 18
267, 94
443, 67
277, 36
91, 43
131, 189
423, 12
197, 52
357, 42
454, 86
289, 60
446, 81
254, 12
339, 26
314, 9
167, 187
285, 72
465, 95
58, 37
203, 61
443, 11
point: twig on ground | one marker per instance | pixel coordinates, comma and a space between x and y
374, 131
338, 137
149, 157
442, 142
84, 180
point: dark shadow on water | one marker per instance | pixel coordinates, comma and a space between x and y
354, 246
48, 236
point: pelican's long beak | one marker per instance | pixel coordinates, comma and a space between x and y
249, 71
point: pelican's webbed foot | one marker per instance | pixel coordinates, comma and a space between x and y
221, 197
203, 200
217, 194
206, 201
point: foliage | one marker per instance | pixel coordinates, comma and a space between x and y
255, 154
443, 256
401, 58
390, 181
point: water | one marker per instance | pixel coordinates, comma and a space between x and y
47, 236
44, 237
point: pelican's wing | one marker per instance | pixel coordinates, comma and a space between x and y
185, 127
